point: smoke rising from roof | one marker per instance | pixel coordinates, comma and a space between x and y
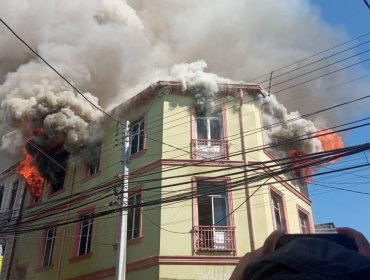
114, 48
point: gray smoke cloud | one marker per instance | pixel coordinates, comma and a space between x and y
112, 49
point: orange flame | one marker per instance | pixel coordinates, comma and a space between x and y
303, 172
329, 141
30, 174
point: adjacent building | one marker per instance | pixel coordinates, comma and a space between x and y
200, 196
11, 199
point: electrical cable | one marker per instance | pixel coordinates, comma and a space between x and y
56, 71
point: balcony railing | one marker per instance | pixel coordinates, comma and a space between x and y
214, 239
210, 149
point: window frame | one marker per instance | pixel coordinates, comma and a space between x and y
94, 164
141, 118
13, 195
226, 181
138, 190
223, 131
90, 226
275, 193
208, 120
306, 214
77, 233
45, 241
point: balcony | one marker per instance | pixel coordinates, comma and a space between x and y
214, 239
210, 149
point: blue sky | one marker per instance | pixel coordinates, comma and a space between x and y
345, 208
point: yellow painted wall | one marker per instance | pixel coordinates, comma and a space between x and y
158, 233
195, 272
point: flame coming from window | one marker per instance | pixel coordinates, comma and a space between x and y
32, 177
329, 141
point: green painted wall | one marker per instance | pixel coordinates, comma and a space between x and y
166, 229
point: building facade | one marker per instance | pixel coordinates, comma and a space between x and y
200, 194
11, 199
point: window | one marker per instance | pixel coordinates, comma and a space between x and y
36, 199
137, 136
53, 187
209, 142
212, 205
1, 194
303, 222
13, 196
213, 231
48, 247
84, 246
2, 250
209, 126
134, 217
278, 211
93, 165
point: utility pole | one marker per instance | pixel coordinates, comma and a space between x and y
123, 202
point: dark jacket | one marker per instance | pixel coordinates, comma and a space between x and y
310, 258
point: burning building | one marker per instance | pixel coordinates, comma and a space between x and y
197, 152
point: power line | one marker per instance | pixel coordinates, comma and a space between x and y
56, 71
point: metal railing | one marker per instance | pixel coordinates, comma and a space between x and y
214, 239
210, 149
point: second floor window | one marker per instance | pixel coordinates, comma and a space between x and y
86, 228
212, 205
278, 211
209, 126
134, 217
209, 142
137, 136
48, 247
93, 165
212, 232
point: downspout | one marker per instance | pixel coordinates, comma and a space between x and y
65, 227
245, 160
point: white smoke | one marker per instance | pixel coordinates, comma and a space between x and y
282, 125
288, 127
203, 85
34, 98
114, 48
